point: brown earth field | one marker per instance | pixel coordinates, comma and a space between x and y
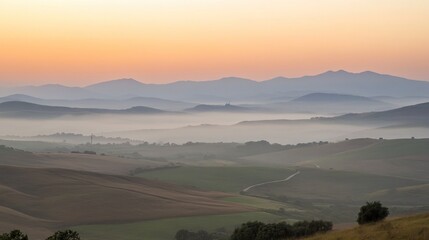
39, 201
75, 161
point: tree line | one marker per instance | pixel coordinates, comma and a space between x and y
369, 213
59, 235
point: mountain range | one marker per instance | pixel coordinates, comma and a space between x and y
239, 90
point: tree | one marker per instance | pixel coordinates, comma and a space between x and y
14, 235
65, 235
281, 230
182, 234
247, 231
372, 212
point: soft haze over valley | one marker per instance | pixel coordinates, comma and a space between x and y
214, 120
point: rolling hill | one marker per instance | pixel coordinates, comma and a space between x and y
414, 114
16, 109
38, 201
218, 108
331, 103
104, 103
410, 114
411, 227
406, 158
76, 161
334, 98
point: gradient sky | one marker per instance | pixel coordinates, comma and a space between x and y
78, 42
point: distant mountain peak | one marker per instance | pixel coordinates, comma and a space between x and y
235, 79
338, 72
122, 81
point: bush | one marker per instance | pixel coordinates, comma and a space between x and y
65, 235
372, 212
277, 231
14, 235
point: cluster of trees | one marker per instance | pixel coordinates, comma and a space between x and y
282, 230
60, 235
369, 213
265, 146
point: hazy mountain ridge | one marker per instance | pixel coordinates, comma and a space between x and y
334, 97
30, 110
418, 113
238, 89
152, 102
413, 113
218, 108
331, 103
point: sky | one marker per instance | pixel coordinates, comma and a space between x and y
80, 42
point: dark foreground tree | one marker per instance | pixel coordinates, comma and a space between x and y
372, 212
247, 231
65, 235
14, 235
277, 231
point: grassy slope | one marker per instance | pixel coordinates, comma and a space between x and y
401, 157
226, 179
414, 227
165, 229
298, 155
337, 195
322, 184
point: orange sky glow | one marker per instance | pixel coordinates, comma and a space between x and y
81, 42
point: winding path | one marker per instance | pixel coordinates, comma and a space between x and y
270, 182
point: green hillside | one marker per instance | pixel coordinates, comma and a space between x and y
414, 227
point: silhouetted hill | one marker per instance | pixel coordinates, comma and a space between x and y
19, 97
218, 108
30, 110
118, 88
334, 98
163, 104
331, 103
413, 113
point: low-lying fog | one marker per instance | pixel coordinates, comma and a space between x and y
100, 124
207, 127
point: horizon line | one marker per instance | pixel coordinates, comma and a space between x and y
210, 80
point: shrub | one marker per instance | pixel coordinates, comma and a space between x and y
372, 212
277, 231
14, 235
65, 235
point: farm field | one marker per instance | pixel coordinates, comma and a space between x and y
165, 229
226, 179
211, 180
